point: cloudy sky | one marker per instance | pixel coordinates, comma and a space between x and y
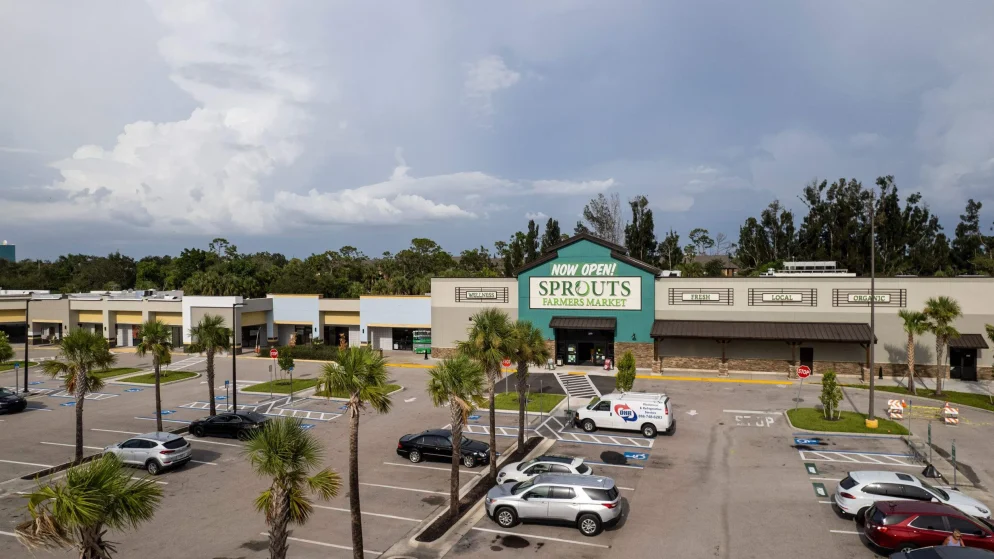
300, 126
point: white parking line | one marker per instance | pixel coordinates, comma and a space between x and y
26, 463
825, 502
403, 488
753, 412
199, 462
11, 534
463, 470
113, 431
531, 536
625, 488
213, 442
368, 513
72, 445
346, 548
826, 479
155, 481
844, 532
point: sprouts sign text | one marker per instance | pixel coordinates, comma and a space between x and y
585, 286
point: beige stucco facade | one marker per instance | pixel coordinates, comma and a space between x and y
455, 300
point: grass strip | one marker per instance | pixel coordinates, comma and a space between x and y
851, 422
536, 402
282, 386
164, 377
337, 394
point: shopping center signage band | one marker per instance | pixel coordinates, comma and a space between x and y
480, 295
783, 297
858, 298
701, 297
612, 293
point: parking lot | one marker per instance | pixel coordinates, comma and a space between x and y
734, 480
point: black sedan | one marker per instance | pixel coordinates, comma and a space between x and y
11, 402
239, 424
437, 444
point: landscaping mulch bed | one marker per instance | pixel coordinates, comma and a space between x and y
446, 522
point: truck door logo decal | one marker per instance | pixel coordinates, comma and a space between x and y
625, 412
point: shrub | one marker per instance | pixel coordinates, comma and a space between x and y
625, 378
311, 351
831, 394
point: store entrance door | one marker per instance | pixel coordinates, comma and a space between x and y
963, 363
584, 347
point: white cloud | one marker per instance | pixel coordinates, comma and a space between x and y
484, 78
866, 140
571, 187
537, 216
9, 149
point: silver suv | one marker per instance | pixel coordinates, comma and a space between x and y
153, 451
591, 502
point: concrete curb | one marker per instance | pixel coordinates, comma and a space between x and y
125, 383
882, 435
925, 398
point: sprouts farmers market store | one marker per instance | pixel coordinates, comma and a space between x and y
594, 302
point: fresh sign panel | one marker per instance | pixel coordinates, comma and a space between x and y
608, 293
701, 297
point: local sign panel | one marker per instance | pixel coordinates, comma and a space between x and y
586, 292
783, 297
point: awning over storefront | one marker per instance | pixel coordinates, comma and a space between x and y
841, 332
584, 323
968, 341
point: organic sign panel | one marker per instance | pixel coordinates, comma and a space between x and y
860, 298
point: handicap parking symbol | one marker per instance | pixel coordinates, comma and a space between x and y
36, 383
307, 426
637, 455
474, 417
167, 412
343, 408
133, 389
219, 398
67, 404
807, 441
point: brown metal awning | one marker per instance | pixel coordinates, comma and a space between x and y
968, 341
842, 332
584, 322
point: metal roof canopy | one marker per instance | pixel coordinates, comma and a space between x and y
584, 322
968, 341
841, 332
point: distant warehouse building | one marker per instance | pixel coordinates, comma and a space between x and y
8, 252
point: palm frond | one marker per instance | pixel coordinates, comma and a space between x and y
325, 484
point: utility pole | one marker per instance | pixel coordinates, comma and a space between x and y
873, 296
27, 340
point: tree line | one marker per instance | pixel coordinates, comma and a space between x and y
834, 226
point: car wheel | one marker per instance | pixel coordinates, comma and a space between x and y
588, 426
468, 461
415, 456
153, 467
197, 431
649, 430
860, 517
589, 524
244, 435
506, 517
906, 547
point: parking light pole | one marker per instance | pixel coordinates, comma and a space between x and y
873, 296
27, 342
234, 354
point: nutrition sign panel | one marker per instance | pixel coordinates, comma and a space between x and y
585, 286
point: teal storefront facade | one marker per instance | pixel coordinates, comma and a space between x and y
590, 300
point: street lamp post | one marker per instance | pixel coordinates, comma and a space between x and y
873, 296
234, 353
27, 340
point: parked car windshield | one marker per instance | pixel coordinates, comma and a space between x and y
5, 392
524, 465
935, 491
521, 487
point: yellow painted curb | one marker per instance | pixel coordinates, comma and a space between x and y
703, 379
410, 365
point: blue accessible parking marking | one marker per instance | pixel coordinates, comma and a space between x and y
65, 404
343, 408
36, 383
637, 455
307, 426
167, 412
807, 441
133, 389
220, 398
474, 417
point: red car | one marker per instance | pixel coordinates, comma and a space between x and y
906, 525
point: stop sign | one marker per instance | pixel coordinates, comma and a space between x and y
505, 363
803, 371
273, 353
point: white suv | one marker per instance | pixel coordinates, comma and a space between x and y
633, 411
153, 451
859, 490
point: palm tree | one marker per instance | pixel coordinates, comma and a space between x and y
360, 374
81, 352
210, 336
915, 324
76, 511
485, 344
457, 383
284, 452
941, 312
525, 346
157, 339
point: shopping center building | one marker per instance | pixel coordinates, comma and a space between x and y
592, 303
